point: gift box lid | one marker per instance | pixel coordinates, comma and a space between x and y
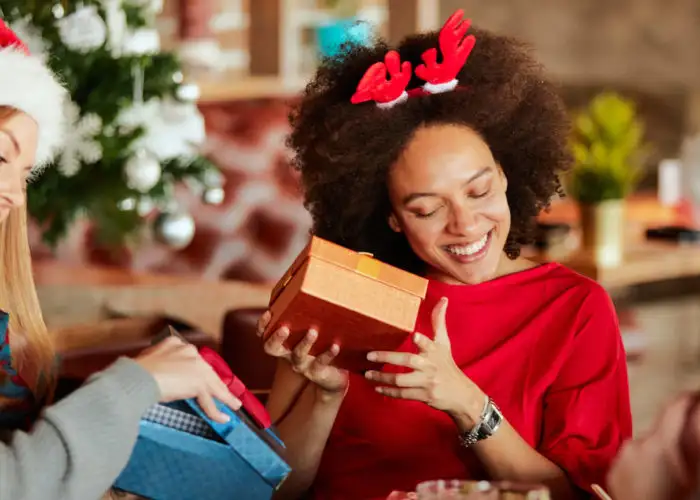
363, 263
246, 437
248, 426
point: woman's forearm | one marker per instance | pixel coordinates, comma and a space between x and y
507, 456
305, 430
79, 446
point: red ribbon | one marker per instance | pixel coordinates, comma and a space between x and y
251, 404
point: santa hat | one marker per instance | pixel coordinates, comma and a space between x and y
28, 85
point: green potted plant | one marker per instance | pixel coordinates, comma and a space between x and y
342, 28
608, 149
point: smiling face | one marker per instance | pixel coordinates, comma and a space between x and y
18, 144
449, 199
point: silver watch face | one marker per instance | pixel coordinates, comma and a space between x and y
491, 423
487, 427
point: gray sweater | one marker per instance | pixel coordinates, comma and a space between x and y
79, 446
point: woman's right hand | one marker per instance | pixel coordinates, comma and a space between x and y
181, 373
317, 369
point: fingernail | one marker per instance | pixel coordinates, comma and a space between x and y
416, 337
379, 389
225, 418
444, 300
369, 374
312, 334
371, 356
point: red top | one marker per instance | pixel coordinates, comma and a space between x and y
544, 344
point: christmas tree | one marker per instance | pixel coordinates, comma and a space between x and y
135, 127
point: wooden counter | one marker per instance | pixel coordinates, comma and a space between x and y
645, 261
72, 296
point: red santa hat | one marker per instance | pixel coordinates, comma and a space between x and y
28, 85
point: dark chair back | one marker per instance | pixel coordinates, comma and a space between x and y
93, 347
243, 351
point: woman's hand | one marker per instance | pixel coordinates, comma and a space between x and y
655, 467
181, 373
435, 379
317, 369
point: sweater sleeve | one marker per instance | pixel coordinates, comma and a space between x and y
587, 412
79, 445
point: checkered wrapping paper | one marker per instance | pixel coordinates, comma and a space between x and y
180, 420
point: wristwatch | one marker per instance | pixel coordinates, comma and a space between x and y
490, 421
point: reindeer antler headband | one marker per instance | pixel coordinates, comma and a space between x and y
439, 77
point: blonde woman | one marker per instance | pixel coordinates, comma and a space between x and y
73, 449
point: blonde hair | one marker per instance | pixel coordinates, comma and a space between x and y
33, 351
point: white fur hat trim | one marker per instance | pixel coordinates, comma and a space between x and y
28, 85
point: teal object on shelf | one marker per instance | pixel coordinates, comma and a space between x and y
332, 36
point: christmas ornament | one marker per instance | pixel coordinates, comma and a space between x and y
213, 196
213, 178
80, 145
175, 229
84, 30
142, 171
127, 204
141, 42
145, 206
171, 129
188, 92
58, 11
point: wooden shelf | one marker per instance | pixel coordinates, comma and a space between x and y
233, 87
645, 261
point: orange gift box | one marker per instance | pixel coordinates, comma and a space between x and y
350, 299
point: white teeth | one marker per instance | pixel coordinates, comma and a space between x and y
470, 249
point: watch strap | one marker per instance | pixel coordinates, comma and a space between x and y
489, 422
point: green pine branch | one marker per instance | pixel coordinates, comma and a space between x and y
102, 84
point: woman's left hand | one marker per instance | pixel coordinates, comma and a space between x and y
436, 379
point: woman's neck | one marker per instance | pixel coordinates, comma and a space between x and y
505, 267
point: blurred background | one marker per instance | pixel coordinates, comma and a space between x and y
177, 201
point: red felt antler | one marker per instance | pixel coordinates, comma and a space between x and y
455, 49
374, 85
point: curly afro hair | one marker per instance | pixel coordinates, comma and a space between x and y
344, 151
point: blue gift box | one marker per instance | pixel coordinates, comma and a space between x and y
181, 454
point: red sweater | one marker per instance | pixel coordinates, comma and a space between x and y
544, 344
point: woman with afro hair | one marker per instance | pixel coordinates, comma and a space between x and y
436, 158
